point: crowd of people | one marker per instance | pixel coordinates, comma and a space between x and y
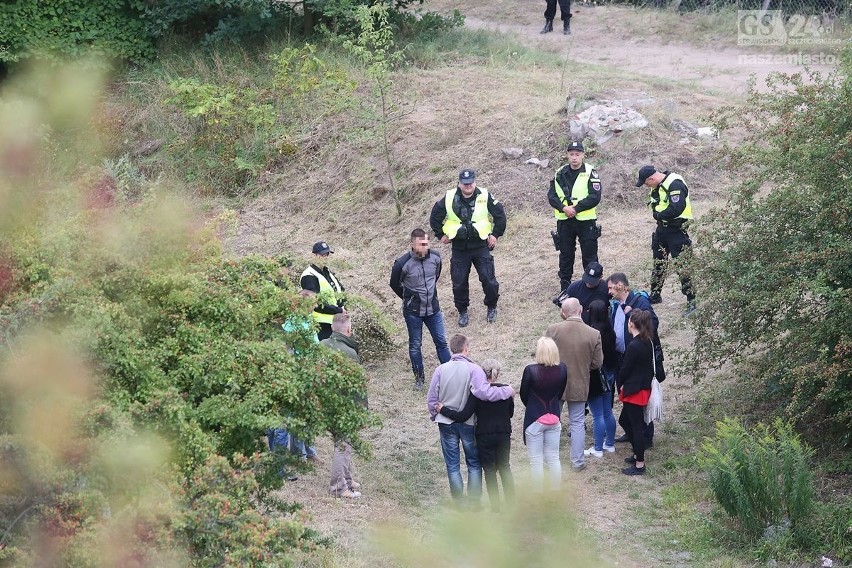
606, 345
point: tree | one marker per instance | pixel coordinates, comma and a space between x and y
775, 262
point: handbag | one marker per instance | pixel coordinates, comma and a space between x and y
654, 408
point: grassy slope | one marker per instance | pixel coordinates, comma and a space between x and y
474, 94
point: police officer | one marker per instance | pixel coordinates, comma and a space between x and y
325, 284
470, 218
671, 208
574, 193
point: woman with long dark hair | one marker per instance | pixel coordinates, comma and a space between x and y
634, 386
601, 383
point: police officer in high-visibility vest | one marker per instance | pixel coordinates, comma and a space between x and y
574, 194
328, 288
671, 207
470, 218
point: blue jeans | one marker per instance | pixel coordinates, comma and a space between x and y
280, 437
453, 435
603, 420
435, 325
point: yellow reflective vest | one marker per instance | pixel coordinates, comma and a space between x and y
328, 292
663, 203
480, 219
579, 191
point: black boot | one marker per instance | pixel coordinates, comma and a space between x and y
566, 27
419, 379
548, 27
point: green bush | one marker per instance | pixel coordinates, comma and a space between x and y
774, 264
140, 366
760, 476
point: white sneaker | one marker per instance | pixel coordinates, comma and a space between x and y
610, 449
593, 452
349, 494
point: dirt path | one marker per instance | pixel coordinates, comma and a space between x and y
624, 38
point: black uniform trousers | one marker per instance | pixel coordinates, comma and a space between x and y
571, 230
632, 419
483, 262
494, 452
664, 242
564, 7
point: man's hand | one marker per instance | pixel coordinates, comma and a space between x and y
491, 241
438, 407
569, 211
445, 239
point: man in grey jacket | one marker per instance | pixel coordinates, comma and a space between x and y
414, 278
452, 383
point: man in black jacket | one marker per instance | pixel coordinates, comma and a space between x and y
414, 278
470, 218
574, 194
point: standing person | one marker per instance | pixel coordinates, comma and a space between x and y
473, 220
550, 13
542, 385
671, 208
493, 435
624, 301
342, 484
589, 288
452, 383
602, 383
319, 279
574, 194
414, 278
634, 387
580, 349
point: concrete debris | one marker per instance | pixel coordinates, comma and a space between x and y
707, 132
512, 152
688, 129
537, 162
604, 120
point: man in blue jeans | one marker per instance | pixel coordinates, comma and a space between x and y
452, 383
414, 278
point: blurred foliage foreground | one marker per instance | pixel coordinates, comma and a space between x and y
139, 366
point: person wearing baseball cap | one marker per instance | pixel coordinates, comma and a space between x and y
574, 193
589, 288
472, 219
319, 279
670, 205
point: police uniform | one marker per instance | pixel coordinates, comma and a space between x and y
582, 189
671, 207
328, 289
468, 222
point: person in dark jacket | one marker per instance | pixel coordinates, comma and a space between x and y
602, 383
493, 435
472, 219
624, 300
634, 387
414, 278
542, 385
589, 288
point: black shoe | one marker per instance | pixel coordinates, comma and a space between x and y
656, 299
566, 28
492, 315
464, 319
418, 385
690, 308
622, 438
633, 470
548, 27
631, 460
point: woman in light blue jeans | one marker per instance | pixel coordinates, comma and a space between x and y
601, 392
542, 386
